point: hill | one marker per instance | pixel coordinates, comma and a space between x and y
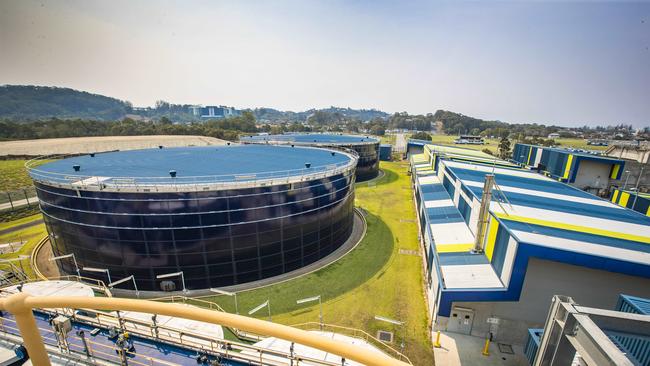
26, 102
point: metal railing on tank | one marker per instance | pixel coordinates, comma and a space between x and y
21, 306
174, 182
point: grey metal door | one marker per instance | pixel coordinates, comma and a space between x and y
461, 320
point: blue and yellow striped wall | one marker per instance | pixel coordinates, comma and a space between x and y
639, 202
561, 164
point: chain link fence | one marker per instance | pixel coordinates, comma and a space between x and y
20, 198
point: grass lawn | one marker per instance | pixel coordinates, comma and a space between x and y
31, 234
387, 139
374, 279
13, 175
24, 220
493, 144
578, 144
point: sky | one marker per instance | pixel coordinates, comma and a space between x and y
551, 62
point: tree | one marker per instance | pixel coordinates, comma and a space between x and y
378, 130
504, 148
421, 136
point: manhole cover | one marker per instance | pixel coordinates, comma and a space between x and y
385, 336
506, 348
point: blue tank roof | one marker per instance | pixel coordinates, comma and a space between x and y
312, 138
223, 161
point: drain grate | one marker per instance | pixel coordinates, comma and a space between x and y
506, 348
385, 336
409, 252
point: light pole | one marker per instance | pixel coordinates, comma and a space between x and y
71, 255
175, 274
125, 279
103, 270
320, 304
222, 292
626, 178
637, 187
266, 304
395, 322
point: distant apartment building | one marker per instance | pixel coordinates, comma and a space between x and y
213, 112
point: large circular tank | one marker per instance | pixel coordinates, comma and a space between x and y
220, 215
366, 147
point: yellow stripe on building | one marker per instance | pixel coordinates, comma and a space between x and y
615, 170
530, 152
491, 238
454, 248
624, 198
648, 213
578, 228
567, 169
615, 195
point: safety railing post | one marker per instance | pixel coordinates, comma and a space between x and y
32, 339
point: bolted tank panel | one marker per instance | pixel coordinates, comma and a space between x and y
219, 229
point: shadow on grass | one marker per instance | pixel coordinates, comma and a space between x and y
349, 272
389, 177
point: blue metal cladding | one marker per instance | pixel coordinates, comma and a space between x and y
532, 344
217, 238
633, 304
385, 152
634, 201
368, 164
636, 347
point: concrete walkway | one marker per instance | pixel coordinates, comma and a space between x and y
19, 203
460, 349
400, 142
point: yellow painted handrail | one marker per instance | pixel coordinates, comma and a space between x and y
22, 304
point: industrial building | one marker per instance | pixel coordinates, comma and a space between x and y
200, 217
588, 172
385, 152
366, 147
636, 201
492, 268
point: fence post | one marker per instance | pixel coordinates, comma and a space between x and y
11, 203
26, 198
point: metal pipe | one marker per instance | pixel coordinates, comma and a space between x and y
18, 303
483, 213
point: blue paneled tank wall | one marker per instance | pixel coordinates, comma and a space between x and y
217, 238
368, 165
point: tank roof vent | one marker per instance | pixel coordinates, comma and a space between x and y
76, 167
307, 165
172, 173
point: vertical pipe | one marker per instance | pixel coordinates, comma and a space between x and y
15, 304
483, 213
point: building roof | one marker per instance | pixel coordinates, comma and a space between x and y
311, 138
528, 210
195, 164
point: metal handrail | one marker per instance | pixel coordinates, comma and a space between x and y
22, 304
214, 181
